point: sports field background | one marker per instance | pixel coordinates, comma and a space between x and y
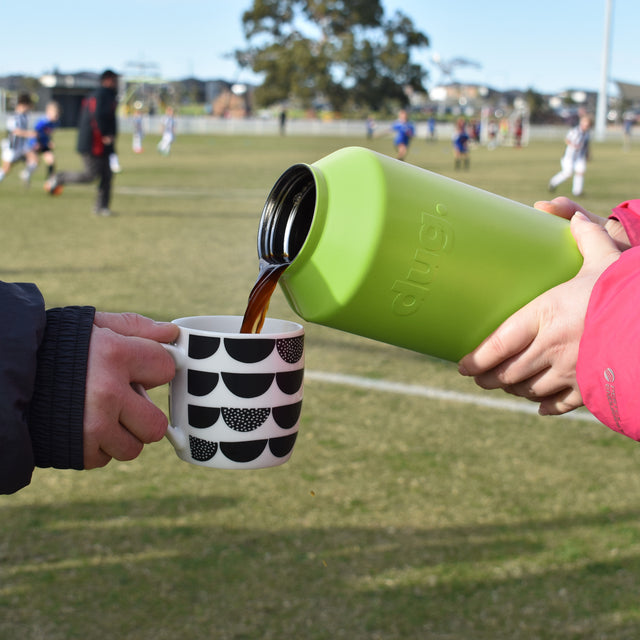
398, 517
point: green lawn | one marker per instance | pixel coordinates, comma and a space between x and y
397, 518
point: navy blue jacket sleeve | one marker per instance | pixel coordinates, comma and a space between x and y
43, 360
22, 321
56, 410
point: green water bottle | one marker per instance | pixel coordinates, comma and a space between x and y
392, 252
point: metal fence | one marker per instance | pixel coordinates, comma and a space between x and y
207, 125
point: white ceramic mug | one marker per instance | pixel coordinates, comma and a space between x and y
236, 397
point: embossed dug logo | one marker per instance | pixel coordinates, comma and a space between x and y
435, 240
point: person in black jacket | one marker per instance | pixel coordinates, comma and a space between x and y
97, 131
66, 399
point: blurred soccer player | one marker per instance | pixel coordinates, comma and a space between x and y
574, 160
43, 143
17, 146
404, 132
96, 142
168, 132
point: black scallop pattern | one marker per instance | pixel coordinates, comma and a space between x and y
287, 416
200, 383
282, 446
248, 385
244, 385
202, 417
249, 351
201, 347
289, 381
243, 451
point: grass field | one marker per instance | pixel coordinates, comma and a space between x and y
398, 517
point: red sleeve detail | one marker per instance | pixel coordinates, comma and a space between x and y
629, 215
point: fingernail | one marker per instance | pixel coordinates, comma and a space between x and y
580, 216
462, 370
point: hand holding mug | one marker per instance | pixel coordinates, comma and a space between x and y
118, 422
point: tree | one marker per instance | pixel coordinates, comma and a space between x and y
538, 107
345, 52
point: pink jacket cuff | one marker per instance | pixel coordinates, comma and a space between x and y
608, 369
629, 215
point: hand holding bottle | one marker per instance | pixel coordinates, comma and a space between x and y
533, 354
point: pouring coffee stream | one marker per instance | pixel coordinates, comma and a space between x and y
285, 221
260, 296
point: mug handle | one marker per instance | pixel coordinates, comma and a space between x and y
176, 353
175, 436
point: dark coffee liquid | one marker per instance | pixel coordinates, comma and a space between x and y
260, 297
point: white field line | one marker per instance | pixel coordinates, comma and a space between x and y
388, 386
168, 192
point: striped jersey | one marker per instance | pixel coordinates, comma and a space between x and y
18, 143
578, 140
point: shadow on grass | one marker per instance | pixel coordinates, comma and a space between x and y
209, 213
47, 270
168, 567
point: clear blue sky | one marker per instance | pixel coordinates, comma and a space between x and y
549, 45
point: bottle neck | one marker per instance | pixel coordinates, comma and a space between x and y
287, 216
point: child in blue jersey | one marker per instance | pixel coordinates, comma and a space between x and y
16, 147
404, 132
42, 143
460, 143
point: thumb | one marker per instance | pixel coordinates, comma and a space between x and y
561, 207
593, 241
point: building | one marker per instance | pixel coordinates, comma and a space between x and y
68, 90
458, 98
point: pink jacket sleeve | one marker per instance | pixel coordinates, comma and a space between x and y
608, 369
